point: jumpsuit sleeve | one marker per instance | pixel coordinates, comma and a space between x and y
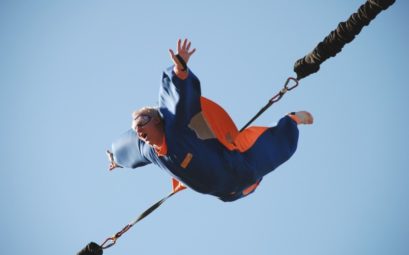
129, 151
179, 100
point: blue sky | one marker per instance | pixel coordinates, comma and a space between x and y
71, 73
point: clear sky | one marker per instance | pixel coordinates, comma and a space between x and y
71, 73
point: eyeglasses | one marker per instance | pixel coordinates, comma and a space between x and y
142, 120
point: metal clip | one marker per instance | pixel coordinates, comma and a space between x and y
110, 241
288, 81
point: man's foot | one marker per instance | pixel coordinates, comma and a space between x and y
302, 117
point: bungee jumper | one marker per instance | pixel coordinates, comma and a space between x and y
198, 144
196, 141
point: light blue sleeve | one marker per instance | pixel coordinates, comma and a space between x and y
129, 151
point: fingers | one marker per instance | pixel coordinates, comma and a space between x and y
184, 46
191, 53
172, 54
178, 45
110, 156
183, 50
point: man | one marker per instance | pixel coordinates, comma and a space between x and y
195, 140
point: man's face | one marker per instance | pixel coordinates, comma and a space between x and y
149, 130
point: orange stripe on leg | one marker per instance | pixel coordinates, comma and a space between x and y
250, 189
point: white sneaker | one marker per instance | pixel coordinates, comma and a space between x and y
302, 117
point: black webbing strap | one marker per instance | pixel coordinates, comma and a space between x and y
274, 99
95, 249
182, 62
110, 241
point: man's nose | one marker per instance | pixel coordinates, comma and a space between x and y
139, 128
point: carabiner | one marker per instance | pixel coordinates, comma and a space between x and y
106, 244
288, 81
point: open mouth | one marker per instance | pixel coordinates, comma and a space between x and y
143, 136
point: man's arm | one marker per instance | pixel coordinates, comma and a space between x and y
179, 95
128, 151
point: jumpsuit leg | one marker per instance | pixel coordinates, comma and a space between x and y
275, 146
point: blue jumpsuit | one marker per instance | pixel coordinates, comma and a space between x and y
195, 156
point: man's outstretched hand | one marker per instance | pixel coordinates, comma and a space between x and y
183, 50
112, 163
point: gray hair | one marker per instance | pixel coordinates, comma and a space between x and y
151, 111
